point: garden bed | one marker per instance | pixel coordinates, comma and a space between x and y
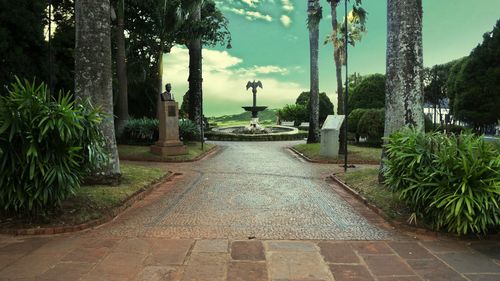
356, 154
143, 153
217, 136
91, 205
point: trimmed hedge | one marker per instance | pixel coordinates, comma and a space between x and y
144, 131
450, 182
371, 126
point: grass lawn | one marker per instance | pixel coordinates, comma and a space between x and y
143, 153
231, 123
365, 181
92, 202
356, 155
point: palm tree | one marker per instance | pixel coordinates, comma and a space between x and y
404, 91
356, 27
314, 15
193, 8
93, 72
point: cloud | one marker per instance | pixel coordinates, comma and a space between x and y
250, 3
286, 20
224, 81
250, 15
287, 5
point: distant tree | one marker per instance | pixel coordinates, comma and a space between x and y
325, 105
353, 121
371, 126
436, 87
477, 97
122, 113
451, 82
22, 45
369, 93
297, 113
314, 15
356, 28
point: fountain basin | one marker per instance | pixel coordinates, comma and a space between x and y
272, 133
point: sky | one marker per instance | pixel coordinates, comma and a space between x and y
271, 43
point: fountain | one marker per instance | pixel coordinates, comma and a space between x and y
254, 131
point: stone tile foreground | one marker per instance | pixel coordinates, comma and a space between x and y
94, 258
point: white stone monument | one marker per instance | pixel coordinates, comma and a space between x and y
330, 136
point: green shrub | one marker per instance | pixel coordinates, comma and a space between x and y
371, 126
452, 182
47, 146
143, 131
294, 112
188, 131
353, 121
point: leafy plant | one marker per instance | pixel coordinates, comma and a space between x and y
188, 131
353, 121
47, 146
143, 131
452, 182
294, 112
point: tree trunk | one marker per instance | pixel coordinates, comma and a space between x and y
195, 75
338, 71
93, 78
313, 135
121, 71
404, 93
160, 80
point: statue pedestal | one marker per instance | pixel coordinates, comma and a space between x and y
168, 143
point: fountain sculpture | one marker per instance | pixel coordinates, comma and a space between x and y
254, 127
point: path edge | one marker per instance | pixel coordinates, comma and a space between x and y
305, 157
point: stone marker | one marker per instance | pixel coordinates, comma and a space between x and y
330, 136
168, 143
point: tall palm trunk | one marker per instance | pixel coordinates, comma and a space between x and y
314, 16
121, 71
159, 82
93, 72
195, 73
338, 70
404, 94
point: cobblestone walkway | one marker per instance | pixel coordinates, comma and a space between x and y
252, 212
250, 190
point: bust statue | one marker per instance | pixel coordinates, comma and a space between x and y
167, 95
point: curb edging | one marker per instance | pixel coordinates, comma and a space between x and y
115, 212
305, 157
197, 158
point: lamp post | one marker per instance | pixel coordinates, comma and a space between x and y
346, 84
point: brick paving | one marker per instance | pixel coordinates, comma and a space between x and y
298, 229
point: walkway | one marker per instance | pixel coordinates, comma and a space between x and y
252, 212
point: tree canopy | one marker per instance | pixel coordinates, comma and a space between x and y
369, 93
475, 83
325, 105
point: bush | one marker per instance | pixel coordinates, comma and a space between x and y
371, 126
369, 93
145, 131
325, 106
294, 112
353, 121
452, 182
188, 131
142, 131
47, 146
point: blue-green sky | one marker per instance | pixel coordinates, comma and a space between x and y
270, 43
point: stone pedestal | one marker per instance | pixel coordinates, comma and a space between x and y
330, 136
168, 143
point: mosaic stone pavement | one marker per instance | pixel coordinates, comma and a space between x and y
249, 190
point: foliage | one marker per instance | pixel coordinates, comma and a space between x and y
188, 131
353, 121
477, 87
325, 105
49, 145
371, 126
266, 116
294, 112
452, 182
22, 45
143, 131
369, 93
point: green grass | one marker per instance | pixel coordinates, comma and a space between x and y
91, 202
365, 181
266, 117
356, 154
143, 153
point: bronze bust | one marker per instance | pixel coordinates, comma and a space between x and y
167, 95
